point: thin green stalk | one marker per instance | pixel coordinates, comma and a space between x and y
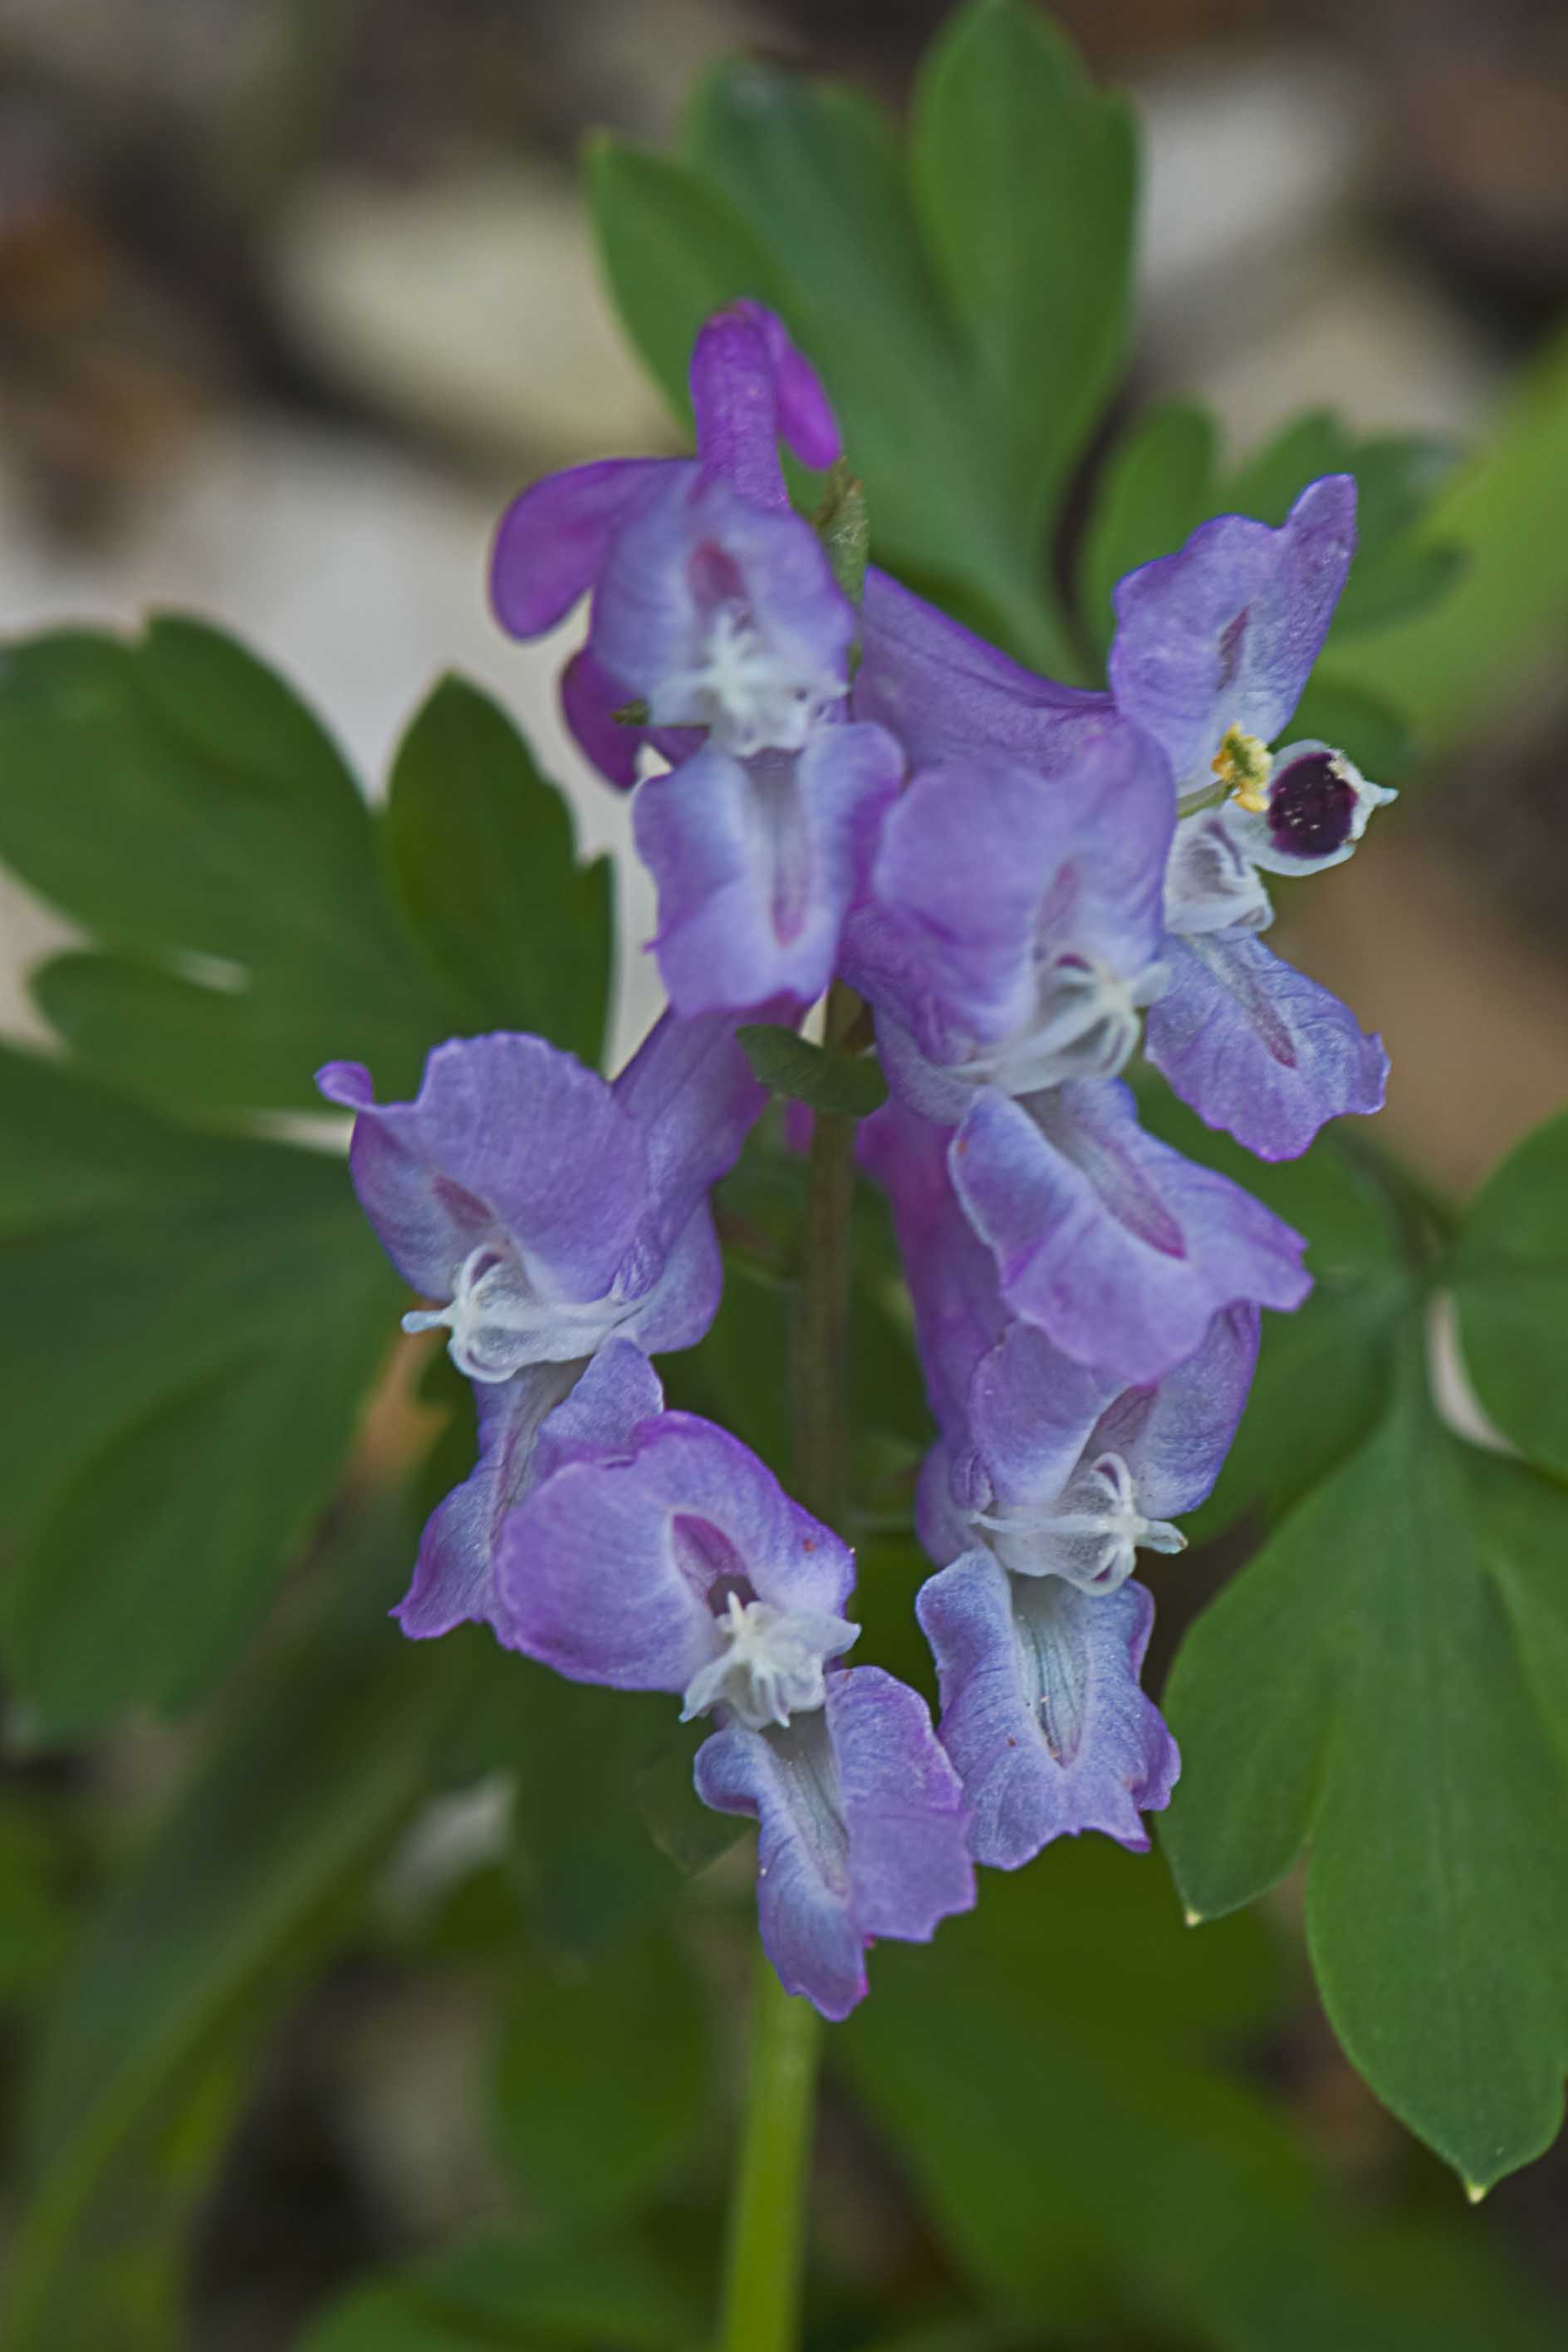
768, 2214
767, 2217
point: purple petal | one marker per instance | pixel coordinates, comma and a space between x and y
1033, 1410
1120, 1249
943, 1519
945, 693
1042, 1713
806, 422
951, 1277
589, 700
551, 543
1174, 1436
1223, 632
734, 399
676, 1287
757, 864
426, 1223
690, 1091
513, 1126
693, 550
785, 1781
863, 1831
751, 388
983, 865
1257, 1047
605, 1573
905, 1813
454, 1575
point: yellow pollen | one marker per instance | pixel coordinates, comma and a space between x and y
1242, 765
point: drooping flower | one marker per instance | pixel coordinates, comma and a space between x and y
1120, 1250
1255, 1046
1037, 1630
1046, 1480
1010, 944
715, 616
678, 1563
550, 1214
1014, 923
1213, 646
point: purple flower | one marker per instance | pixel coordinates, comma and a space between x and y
945, 693
1015, 921
1257, 1048
678, 1563
715, 612
1038, 1631
1252, 1043
1213, 648
952, 1277
1118, 1248
550, 1214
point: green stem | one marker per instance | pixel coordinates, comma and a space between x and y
768, 2215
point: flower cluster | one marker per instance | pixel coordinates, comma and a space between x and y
1024, 881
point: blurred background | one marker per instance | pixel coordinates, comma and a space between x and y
293, 293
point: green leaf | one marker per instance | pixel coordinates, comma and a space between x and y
484, 866
1384, 1681
602, 2084
1156, 489
1510, 1280
275, 1829
1045, 2071
176, 800
511, 2295
37, 1923
1353, 719
198, 1318
1463, 665
1405, 581
582, 1861
850, 1084
1025, 178
673, 251
843, 523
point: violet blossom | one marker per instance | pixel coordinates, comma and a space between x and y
555, 1217
676, 1562
716, 618
1046, 1480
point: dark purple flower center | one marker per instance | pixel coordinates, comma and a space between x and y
1312, 807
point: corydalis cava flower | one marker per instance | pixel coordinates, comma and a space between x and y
715, 614
678, 1563
476, 1191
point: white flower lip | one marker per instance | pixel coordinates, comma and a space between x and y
769, 1664
749, 692
499, 1323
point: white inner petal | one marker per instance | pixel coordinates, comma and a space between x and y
1090, 1536
768, 1664
754, 695
498, 1322
1211, 885
1084, 1025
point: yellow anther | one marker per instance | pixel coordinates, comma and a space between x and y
1242, 765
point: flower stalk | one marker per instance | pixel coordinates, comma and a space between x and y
768, 2214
